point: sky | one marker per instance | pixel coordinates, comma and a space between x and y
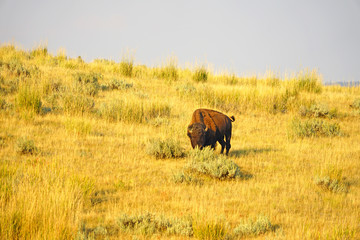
242, 37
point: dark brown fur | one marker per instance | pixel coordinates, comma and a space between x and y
208, 127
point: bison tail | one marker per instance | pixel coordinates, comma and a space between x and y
232, 118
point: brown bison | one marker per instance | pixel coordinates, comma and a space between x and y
208, 127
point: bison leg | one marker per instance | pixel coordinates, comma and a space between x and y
228, 145
222, 143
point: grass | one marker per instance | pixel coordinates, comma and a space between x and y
132, 110
73, 161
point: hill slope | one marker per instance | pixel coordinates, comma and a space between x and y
75, 159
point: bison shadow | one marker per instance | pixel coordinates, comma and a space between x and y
245, 152
244, 175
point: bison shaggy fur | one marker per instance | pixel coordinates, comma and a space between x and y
208, 127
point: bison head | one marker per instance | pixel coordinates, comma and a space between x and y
197, 133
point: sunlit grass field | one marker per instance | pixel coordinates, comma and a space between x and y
99, 150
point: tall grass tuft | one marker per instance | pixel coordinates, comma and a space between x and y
126, 65
200, 74
209, 230
28, 99
230, 79
169, 72
40, 51
75, 103
40, 203
283, 101
308, 81
78, 126
137, 111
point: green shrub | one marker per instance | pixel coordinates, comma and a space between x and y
314, 128
87, 83
332, 185
16, 68
149, 224
186, 90
168, 148
28, 99
208, 163
51, 86
84, 233
356, 104
186, 177
26, 146
3, 103
252, 227
159, 121
119, 84
8, 86
318, 110
209, 230
200, 75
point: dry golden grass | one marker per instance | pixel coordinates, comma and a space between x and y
89, 170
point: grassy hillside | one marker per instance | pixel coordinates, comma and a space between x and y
99, 151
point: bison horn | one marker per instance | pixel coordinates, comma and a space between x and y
190, 129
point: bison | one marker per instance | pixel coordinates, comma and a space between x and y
208, 127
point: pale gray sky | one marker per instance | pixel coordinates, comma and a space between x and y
241, 36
